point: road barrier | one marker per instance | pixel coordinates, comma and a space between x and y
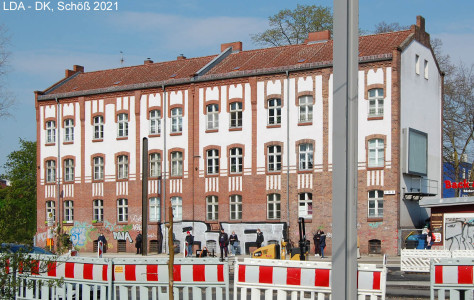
280, 279
128, 278
452, 279
419, 260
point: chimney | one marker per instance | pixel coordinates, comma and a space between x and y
319, 36
76, 69
236, 46
420, 22
180, 57
147, 61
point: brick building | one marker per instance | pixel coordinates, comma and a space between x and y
242, 140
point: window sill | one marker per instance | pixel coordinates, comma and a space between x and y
212, 175
176, 177
235, 174
97, 140
154, 135
305, 171
176, 133
50, 183
97, 223
274, 220
235, 129
374, 168
211, 130
308, 219
68, 143
374, 219
212, 221
50, 144
305, 123
273, 172
374, 118
274, 126
122, 138
68, 181
121, 179
68, 223
97, 180
122, 222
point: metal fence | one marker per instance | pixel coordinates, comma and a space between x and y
452, 279
419, 260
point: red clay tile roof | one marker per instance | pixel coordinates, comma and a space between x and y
252, 60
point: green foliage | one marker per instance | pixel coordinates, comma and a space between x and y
290, 27
18, 201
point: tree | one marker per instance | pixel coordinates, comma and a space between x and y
290, 27
383, 27
18, 206
6, 100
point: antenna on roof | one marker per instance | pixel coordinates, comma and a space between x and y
121, 58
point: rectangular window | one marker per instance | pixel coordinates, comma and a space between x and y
305, 109
236, 160
236, 115
212, 117
176, 163
50, 132
177, 207
213, 161
122, 210
69, 211
50, 171
306, 157
305, 205
376, 102
50, 211
235, 207
68, 130
98, 210
155, 122
212, 209
274, 158
155, 165
122, 125
98, 128
155, 212
376, 153
122, 167
375, 204
274, 111
273, 206
417, 64
98, 168
68, 170
176, 120
426, 69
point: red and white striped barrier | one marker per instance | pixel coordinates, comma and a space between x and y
453, 278
294, 278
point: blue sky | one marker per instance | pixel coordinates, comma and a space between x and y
43, 43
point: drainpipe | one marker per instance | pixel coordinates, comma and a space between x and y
163, 184
58, 125
288, 152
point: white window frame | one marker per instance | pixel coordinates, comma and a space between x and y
273, 206
122, 167
212, 208
98, 210
426, 69
68, 130
50, 132
417, 64
235, 203
235, 111
155, 209
376, 103
177, 207
50, 171
69, 211
274, 111
122, 210
68, 170
376, 156
236, 159
51, 208
176, 163
375, 204
305, 205
155, 165
155, 122
98, 162
306, 153
122, 125
212, 161
305, 109
212, 116
98, 128
274, 157
177, 120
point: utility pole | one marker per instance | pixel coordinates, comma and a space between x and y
145, 197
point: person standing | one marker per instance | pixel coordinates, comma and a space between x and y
138, 243
322, 243
104, 242
260, 238
189, 243
223, 243
316, 239
234, 241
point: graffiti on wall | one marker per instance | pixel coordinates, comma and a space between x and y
122, 235
459, 233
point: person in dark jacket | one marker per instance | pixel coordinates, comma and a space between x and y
104, 242
223, 243
316, 239
260, 238
189, 243
138, 243
322, 243
234, 242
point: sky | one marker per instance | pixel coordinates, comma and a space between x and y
43, 43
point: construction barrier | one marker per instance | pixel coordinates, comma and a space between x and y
129, 278
418, 260
280, 279
452, 279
